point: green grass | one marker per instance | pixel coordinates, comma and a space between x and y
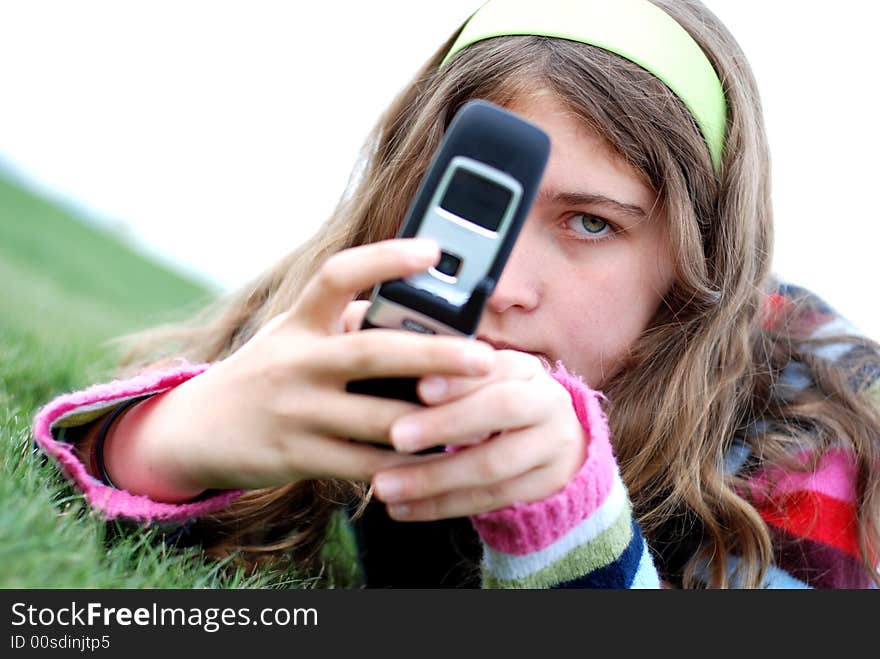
65, 288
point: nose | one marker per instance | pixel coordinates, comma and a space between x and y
519, 286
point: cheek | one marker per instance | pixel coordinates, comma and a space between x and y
606, 318
600, 333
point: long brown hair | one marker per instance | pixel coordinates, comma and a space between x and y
703, 373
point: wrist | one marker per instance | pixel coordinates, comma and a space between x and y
96, 439
528, 527
138, 456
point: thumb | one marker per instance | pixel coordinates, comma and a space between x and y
344, 274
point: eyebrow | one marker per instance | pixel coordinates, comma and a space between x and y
590, 199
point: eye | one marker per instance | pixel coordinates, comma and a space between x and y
590, 226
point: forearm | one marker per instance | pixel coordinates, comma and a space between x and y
136, 452
82, 413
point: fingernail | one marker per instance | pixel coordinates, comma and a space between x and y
387, 487
434, 387
478, 358
423, 248
398, 511
405, 435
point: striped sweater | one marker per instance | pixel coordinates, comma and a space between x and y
584, 536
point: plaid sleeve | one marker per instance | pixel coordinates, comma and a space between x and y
813, 515
813, 521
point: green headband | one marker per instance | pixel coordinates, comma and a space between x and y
635, 29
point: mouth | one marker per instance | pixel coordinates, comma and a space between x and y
504, 345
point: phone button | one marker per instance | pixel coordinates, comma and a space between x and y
449, 264
415, 326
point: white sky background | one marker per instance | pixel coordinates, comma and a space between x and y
221, 134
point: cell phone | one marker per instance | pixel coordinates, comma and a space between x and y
472, 201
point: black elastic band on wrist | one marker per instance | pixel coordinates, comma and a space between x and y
98, 448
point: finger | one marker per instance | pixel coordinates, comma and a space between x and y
527, 488
353, 416
353, 316
506, 365
395, 353
325, 457
499, 406
498, 459
350, 271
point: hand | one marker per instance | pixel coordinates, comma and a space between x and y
276, 410
517, 435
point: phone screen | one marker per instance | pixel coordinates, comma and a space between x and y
476, 199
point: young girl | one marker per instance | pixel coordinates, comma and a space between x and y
740, 446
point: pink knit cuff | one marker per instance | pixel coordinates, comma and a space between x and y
526, 528
110, 502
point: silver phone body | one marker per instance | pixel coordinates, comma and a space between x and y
474, 243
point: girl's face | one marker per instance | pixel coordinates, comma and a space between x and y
592, 261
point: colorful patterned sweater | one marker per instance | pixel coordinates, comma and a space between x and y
584, 536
